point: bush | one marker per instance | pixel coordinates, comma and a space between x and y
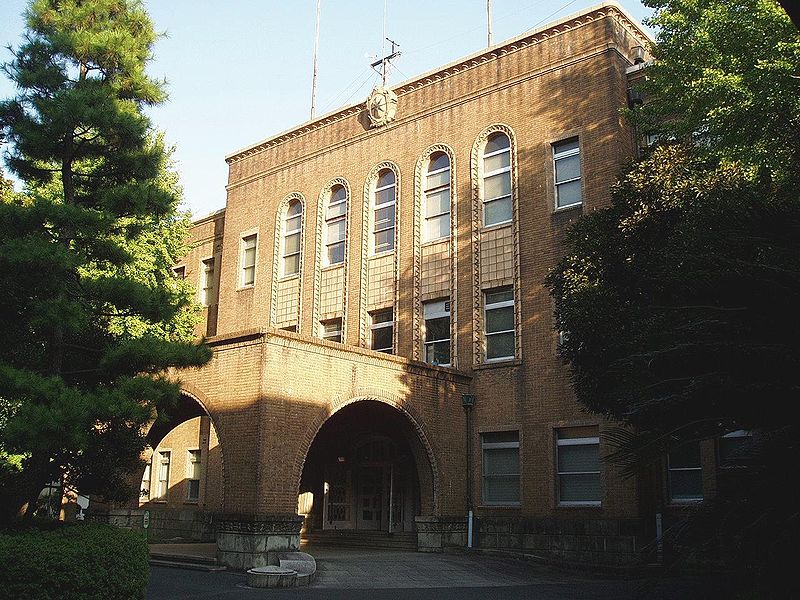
81, 561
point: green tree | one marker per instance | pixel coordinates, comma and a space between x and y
680, 299
91, 315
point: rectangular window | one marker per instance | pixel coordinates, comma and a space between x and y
144, 491
732, 448
500, 467
384, 213
207, 287
685, 473
331, 330
163, 474
248, 260
193, 475
567, 167
382, 329
179, 272
437, 332
499, 324
578, 466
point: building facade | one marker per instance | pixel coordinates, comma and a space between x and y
383, 343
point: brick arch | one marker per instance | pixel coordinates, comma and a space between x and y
338, 403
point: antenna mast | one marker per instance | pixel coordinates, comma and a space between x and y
489, 21
314, 77
385, 61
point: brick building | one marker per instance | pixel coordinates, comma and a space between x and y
375, 270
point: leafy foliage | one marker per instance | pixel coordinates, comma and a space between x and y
90, 310
73, 562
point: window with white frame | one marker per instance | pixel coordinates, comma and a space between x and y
193, 475
500, 468
163, 474
144, 491
685, 473
335, 225
578, 466
382, 331
437, 198
437, 332
383, 205
207, 287
248, 260
499, 324
732, 448
567, 169
331, 330
292, 231
497, 203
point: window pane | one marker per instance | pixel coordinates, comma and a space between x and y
295, 208
686, 485
384, 316
498, 161
503, 295
384, 240
500, 319
496, 141
499, 437
579, 458
498, 211
439, 161
336, 231
292, 244
291, 264
565, 146
249, 257
382, 338
338, 193
568, 193
568, 168
686, 456
384, 196
437, 179
501, 461
249, 276
194, 489
437, 227
579, 488
438, 353
337, 210
293, 224
501, 489
386, 177
384, 217
500, 345
336, 253
437, 203
734, 450
250, 241
437, 329
496, 186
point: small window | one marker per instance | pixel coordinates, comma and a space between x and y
499, 320
193, 475
163, 474
382, 330
248, 260
685, 473
437, 198
207, 287
497, 205
292, 232
331, 330
567, 167
335, 225
733, 447
144, 491
437, 332
384, 204
500, 467
179, 272
578, 462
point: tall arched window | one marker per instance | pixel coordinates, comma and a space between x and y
497, 207
292, 226
437, 198
335, 225
384, 212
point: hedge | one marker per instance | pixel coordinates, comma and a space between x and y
81, 561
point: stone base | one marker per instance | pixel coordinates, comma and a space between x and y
271, 577
437, 534
247, 542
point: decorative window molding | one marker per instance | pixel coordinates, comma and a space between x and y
318, 263
277, 256
477, 229
366, 243
416, 313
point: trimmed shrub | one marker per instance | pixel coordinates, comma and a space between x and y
81, 561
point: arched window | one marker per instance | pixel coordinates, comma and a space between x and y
335, 225
437, 198
292, 225
497, 206
384, 212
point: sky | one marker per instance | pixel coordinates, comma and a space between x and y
239, 71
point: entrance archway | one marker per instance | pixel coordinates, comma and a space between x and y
367, 470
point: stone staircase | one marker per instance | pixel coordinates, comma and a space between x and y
400, 540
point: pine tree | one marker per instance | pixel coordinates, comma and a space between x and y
92, 318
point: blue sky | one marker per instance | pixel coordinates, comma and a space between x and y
239, 71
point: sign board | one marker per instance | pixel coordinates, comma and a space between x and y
146, 519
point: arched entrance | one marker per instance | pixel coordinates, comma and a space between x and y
366, 470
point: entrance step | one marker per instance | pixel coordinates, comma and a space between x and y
401, 540
192, 562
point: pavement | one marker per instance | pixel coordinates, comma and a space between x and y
369, 574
